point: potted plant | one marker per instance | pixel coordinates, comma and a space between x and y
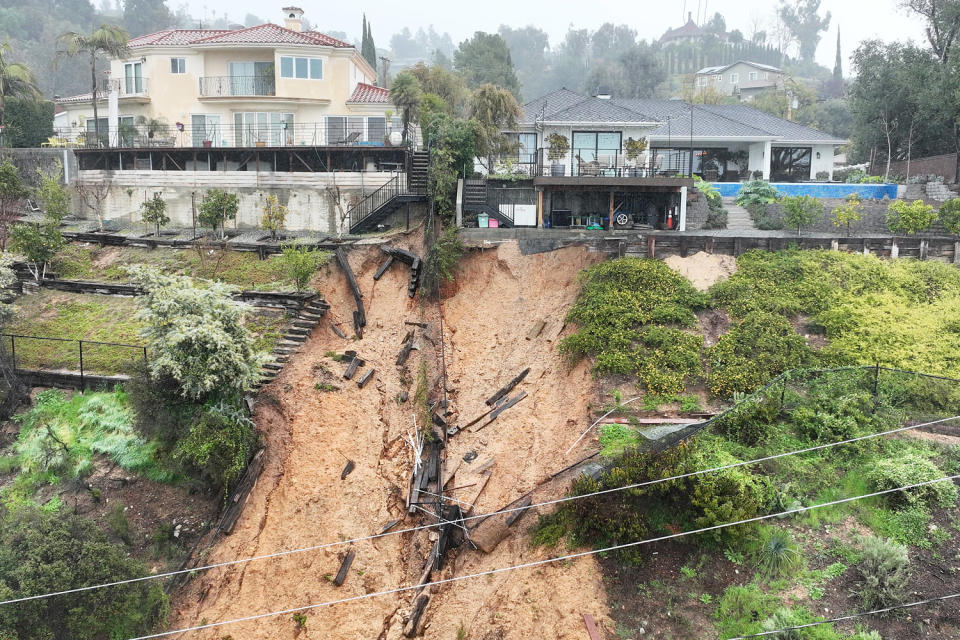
559, 146
633, 150
207, 143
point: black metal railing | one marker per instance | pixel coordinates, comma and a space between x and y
363, 209
126, 87
88, 357
606, 163
224, 86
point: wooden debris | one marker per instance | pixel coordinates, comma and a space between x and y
419, 606
355, 364
591, 625
407, 338
365, 378
450, 469
536, 330
404, 353
239, 496
516, 515
347, 469
359, 317
422, 325
390, 525
508, 387
383, 268
344, 568
338, 331
495, 413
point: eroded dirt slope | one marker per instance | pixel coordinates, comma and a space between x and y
300, 499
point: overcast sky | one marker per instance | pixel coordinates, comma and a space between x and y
857, 19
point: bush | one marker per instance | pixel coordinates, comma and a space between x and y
766, 216
823, 176
751, 422
848, 213
885, 573
910, 218
784, 618
776, 554
216, 208
911, 468
801, 211
950, 215
757, 191
717, 217
300, 263
725, 496
618, 302
42, 551
442, 259
219, 444
758, 348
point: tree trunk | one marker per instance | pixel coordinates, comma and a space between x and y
886, 130
93, 94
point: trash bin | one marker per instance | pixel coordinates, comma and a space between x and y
483, 220
494, 223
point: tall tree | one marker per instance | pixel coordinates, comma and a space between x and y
943, 24
405, 94
107, 40
16, 80
529, 47
838, 69
367, 48
146, 16
802, 20
495, 110
485, 59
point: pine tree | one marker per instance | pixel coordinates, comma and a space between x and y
838, 70
367, 48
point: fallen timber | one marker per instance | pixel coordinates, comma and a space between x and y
359, 316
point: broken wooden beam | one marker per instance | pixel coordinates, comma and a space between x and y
422, 325
344, 568
239, 496
408, 337
536, 329
404, 353
365, 378
336, 330
592, 629
506, 405
383, 268
507, 388
355, 364
419, 606
347, 469
390, 525
516, 515
359, 318
401, 254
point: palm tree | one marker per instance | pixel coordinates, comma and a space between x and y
108, 40
405, 93
16, 80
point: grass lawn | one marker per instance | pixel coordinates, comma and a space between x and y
243, 269
72, 316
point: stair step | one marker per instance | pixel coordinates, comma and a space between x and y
283, 351
298, 331
293, 338
305, 324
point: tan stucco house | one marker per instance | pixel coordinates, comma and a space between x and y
742, 79
265, 85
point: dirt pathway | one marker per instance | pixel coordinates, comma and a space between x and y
300, 499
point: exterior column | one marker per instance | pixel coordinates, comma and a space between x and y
610, 219
767, 153
459, 202
540, 208
682, 225
113, 114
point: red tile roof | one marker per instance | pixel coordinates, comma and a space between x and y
81, 98
369, 94
260, 34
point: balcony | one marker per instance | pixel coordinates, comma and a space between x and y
133, 87
237, 86
596, 163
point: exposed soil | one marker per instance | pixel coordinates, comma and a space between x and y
703, 269
713, 324
301, 501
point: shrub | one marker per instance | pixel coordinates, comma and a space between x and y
848, 213
43, 551
776, 554
717, 217
442, 259
758, 348
766, 216
52, 196
216, 208
823, 176
618, 302
38, 243
274, 216
910, 218
751, 422
300, 263
218, 444
950, 215
725, 496
154, 212
757, 191
196, 335
801, 211
885, 573
911, 468
784, 618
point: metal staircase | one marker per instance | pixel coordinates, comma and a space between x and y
404, 188
476, 200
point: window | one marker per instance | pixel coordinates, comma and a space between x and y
376, 128
178, 65
252, 79
718, 78
702, 81
734, 78
753, 75
303, 68
204, 128
790, 164
272, 128
336, 129
132, 78
595, 151
766, 76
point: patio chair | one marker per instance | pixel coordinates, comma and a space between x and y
350, 139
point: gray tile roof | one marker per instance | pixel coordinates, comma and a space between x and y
709, 121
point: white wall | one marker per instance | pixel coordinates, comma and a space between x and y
824, 163
311, 207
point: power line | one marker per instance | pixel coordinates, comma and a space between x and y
479, 516
537, 563
851, 616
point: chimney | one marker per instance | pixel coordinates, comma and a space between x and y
292, 18
689, 16
603, 93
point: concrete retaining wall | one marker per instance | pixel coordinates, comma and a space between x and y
307, 195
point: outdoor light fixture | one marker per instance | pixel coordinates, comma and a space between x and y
179, 126
818, 155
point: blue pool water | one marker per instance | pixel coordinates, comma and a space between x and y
817, 189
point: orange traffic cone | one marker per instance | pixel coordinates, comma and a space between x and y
670, 219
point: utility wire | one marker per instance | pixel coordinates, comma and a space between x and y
478, 516
850, 616
537, 563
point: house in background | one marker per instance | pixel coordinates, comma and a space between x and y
265, 85
602, 176
689, 32
742, 79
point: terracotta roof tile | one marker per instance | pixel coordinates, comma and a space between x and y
369, 94
261, 34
